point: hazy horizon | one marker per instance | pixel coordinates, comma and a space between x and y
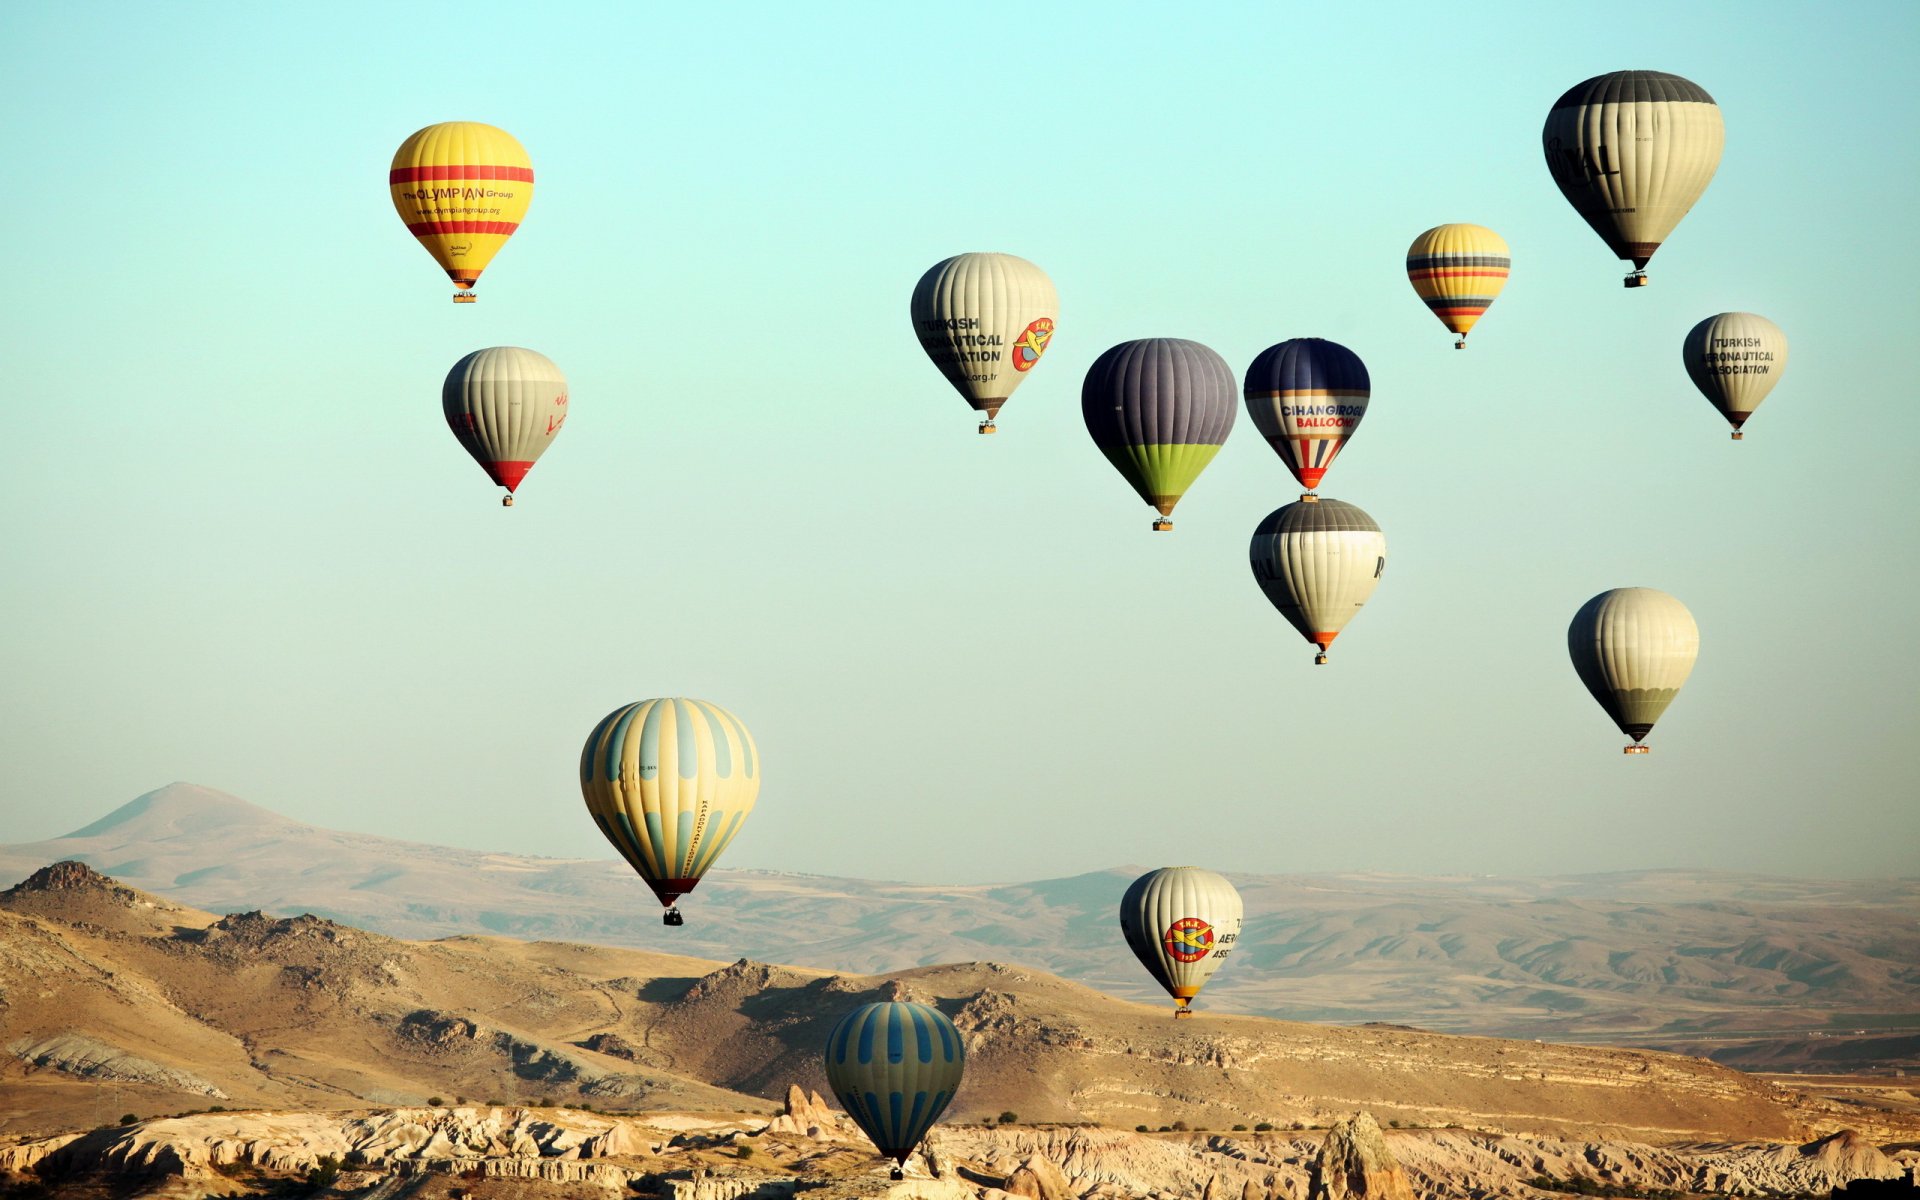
244, 549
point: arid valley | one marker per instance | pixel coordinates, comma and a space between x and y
151, 1045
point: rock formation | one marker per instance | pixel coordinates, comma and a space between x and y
1355, 1164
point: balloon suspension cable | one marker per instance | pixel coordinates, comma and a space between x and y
672, 916
1637, 748
463, 296
987, 426
1162, 525
1637, 279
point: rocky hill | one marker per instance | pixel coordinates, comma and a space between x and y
115, 1002
497, 1153
1764, 972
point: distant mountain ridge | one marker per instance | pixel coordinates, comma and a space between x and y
1680, 958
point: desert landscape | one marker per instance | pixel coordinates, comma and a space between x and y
211, 1053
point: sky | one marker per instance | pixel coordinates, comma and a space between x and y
242, 549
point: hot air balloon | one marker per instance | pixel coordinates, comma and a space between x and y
1631, 152
670, 782
462, 188
1633, 648
1306, 396
1318, 563
505, 404
1181, 923
985, 320
1458, 270
1159, 409
895, 1067
1735, 359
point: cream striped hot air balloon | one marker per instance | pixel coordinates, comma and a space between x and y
985, 320
1458, 270
1632, 151
506, 405
1735, 358
462, 188
1633, 648
1318, 562
1181, 923
670, 782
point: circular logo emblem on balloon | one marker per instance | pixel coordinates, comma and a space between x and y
1032, 343
1188, 940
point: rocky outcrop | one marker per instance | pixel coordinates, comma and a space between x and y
90, 1058
1354, 1163
1038, 1179
805, 1115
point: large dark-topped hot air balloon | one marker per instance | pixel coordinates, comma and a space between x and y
1632, 151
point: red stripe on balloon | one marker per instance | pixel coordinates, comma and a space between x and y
472, 171
422, 228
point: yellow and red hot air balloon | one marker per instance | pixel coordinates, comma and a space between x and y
1458, 270
462, 188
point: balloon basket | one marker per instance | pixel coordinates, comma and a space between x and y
464, 297
1320, 659
1181, 1014
672, 917
1309, 498
1461, 344
1162, 525
1637, 279
1636, 748
506, 501
1739, 436
989, 427
897, 1174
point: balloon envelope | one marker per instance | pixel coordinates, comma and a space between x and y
1632, 151
1735, 358
1181, 923
1306, 397
462, 188
1159, 409
894, 1067
1633, 648
505, 404
670, 782
1458, 270
1318, 562
985, 320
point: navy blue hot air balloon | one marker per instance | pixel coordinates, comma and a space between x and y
894, 1067
1306, 396
1159, 409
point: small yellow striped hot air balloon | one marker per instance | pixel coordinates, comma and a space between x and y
462, 188
1458, 270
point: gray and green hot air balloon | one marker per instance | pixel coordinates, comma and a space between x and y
1633, 648
1160, 409
894, 1066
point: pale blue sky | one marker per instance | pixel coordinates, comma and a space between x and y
243, 550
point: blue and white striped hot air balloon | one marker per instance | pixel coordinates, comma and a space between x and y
670, 782
894, 1067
